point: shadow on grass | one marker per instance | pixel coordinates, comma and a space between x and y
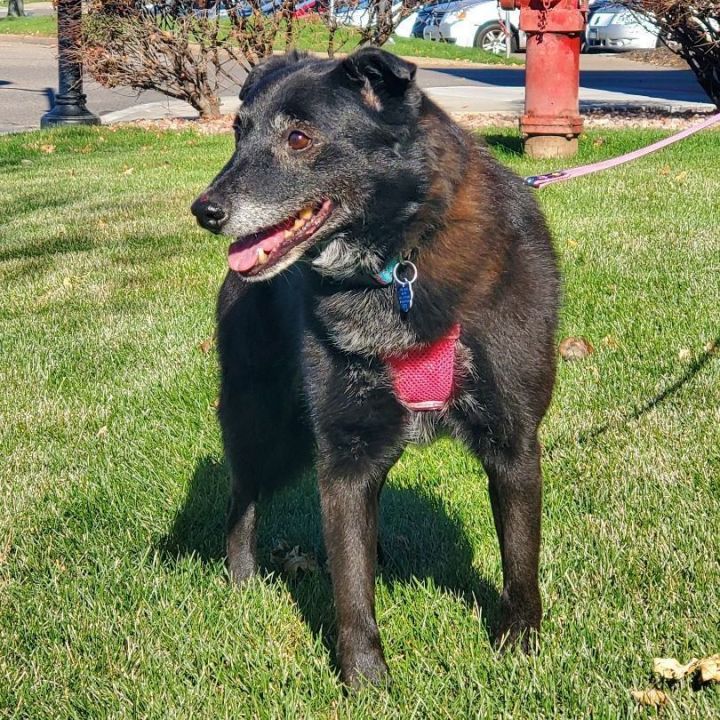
509, 144
668, 391
420, 539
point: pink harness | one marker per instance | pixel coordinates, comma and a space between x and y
424, 377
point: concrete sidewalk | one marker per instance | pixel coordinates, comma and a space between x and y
28, 78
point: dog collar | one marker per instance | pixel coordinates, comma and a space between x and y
385, 276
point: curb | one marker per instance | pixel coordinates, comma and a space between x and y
229, 104
165, 110
28, 39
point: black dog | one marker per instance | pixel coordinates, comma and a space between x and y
348, 167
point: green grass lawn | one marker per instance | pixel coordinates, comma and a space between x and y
113, 601
415, 47
43, 25
311, 35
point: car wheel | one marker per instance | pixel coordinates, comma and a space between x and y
492, 38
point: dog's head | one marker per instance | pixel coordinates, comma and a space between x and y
326, 165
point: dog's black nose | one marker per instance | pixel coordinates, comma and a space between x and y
210, 214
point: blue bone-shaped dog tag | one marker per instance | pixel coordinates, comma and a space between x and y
403, 285
405, 296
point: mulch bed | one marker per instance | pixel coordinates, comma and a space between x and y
660, 56
594, 119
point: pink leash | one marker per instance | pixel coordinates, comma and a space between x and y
540, 181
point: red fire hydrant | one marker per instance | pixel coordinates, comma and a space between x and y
551, 123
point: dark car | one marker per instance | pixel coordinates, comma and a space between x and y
423, 17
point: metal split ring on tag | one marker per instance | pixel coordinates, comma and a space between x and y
403, 285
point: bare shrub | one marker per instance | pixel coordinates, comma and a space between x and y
188, 54
692, 30
193, 49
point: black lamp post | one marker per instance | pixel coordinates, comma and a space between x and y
69, 107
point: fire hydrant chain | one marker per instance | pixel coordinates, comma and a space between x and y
542, 19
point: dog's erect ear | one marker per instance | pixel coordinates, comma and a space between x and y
380, 75
266, 70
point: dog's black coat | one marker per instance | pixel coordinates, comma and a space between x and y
301, 350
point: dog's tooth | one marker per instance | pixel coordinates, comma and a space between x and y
288, 233
262, 256
298, 223
305, 213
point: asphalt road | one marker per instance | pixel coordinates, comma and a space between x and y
28, 78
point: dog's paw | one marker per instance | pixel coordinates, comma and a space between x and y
519, 625
367, 667
518, 633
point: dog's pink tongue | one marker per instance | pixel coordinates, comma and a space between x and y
243, 254
242, 259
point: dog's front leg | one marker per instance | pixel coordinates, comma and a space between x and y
350, 522
360, 433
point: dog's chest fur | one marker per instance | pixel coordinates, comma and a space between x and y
365, 322
364, 326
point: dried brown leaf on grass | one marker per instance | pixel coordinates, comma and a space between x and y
575, 348
709, 668
685, 355
671, 669
610, 342
292, 560
651, 697
207, 345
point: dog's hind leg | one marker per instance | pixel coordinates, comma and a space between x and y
515, 486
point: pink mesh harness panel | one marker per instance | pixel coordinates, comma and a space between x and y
424, 377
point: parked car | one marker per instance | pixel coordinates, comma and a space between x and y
423, 17
309, 7
613, 27
475, 23
212, 9
405, 27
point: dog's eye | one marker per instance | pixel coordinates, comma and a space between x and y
298, 140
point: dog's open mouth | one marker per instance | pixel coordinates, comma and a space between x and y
255, 253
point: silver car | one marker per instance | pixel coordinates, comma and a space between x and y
614, 27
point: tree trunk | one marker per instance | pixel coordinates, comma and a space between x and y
708, 75
207, 105
16, 8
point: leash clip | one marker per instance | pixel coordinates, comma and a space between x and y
404, 285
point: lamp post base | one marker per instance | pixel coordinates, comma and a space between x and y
69, 111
